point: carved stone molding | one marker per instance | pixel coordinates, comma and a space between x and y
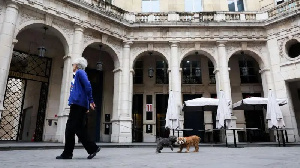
211, 49
67, 29
257, 47
27, 15
87, 38
282, 45
185, 48
137, 49
231, 47
117, 46
164, 49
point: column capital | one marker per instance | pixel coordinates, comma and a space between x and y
117, 70
12, 4
132, 71
263, 70
66, 57
216, 71
174, 43
15, 41
79, 27
221, 43
127, 44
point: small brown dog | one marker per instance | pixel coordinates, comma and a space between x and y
188, 142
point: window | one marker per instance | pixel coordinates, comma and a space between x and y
193, 5
211, 69
191, 72
150, 5
235, 5
248, 71
138, 72
162, 76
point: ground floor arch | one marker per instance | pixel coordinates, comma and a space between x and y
101, 64
34, 82
150, 96
246, 81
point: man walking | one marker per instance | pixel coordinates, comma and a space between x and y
80, 101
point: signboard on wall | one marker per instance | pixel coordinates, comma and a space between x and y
149, 107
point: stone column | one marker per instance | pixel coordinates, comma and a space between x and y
224, 80
224, 84
176, 78
121, 130
6, 46
64, 109
116, 106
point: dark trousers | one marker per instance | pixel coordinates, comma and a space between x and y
76, 125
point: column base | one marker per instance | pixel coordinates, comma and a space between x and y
229, 133
121, 131
61, 125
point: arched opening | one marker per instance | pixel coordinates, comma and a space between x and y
150, 90
246, 81
34, 83
292, 48
198, 80
100, 73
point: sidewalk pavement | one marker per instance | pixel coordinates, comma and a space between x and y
13, 145
207, 157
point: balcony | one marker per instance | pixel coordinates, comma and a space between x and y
104, 8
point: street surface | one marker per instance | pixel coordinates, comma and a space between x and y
208, 157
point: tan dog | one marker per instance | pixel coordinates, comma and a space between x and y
188, 142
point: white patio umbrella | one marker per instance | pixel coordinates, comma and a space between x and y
253, 103
274, 114
172, 116
223, 111
204, 104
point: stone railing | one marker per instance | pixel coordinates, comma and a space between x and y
120, 14
285, 8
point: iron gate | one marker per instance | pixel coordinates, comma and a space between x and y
24, 67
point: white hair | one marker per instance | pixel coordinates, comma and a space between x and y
81, 63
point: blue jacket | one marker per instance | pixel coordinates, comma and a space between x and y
81, 90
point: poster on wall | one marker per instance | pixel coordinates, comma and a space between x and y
148, 107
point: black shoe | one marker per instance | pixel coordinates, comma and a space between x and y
63, 157
94, 154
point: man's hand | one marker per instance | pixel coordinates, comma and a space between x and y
92, 105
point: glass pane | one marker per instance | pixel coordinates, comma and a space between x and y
231, 6
155, 6
197, 5
240, 5
138, 72
159, 64
195, 64
188, 5
138, 64
146, 6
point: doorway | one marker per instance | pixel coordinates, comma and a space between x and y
294, 89
194, 119
27, 85
94, 116
137, 116
255, 119
161, 111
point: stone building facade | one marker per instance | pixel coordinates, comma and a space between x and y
140, 57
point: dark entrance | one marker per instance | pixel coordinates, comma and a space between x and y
194, 119
24, 67
255, 119
161, 111
137, 116
94, 116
